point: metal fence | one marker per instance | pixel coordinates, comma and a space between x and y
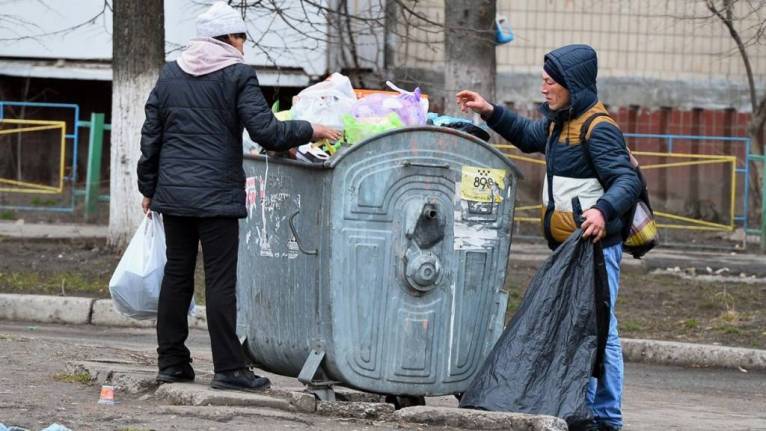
731, 154
68, 161
71, 114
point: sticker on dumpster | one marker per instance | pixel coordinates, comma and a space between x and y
482, 184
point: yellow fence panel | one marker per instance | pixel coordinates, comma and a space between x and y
683, 222
30, 126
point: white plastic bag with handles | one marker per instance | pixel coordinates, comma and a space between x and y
325, 102
135, 284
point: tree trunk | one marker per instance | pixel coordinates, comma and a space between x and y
138, 52
391, 40
470, 62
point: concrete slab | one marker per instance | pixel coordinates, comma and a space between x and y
194, 394
225, 414
124, 376
45, 308
477, 419
342, 393
357, 410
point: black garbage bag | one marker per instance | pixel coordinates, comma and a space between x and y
465, 126
555, 342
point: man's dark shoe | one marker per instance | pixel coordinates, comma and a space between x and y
586, 425
240, 380
608, 427
176, 374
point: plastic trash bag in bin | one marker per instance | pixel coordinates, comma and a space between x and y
325, 102
409, 106
545, 357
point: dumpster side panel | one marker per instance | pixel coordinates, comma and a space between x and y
278, 285
418, 262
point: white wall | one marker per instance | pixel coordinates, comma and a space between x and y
45, 29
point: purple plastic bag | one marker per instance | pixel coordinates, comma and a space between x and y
408, 105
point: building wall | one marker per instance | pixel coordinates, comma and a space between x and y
652, 53
649, 38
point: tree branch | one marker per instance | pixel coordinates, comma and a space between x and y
728, 22
35, 37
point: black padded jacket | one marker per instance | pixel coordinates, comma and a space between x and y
191, 140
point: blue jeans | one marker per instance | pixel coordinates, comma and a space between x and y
605, 394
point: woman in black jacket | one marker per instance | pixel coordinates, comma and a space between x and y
191, 172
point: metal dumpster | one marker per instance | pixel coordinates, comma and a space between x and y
382, 269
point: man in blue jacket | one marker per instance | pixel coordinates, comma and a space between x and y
191, 171
604, 180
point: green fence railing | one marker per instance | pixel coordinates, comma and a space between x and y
96, 128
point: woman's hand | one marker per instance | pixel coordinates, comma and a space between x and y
145, 204
324, 132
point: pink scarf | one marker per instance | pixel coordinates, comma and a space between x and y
206, 55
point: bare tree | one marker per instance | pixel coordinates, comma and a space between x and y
470, 55
366, 37
137, 55
751, 37
359, 34
745, 21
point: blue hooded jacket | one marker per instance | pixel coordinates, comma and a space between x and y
607, 181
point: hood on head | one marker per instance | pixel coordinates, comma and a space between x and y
206, 55
578, 65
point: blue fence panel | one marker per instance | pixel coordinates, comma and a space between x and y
743, 171
71, 137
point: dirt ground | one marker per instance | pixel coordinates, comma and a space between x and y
668, 307
654, 306
37, 389
36, 396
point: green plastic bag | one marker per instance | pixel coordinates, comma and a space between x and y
359, 129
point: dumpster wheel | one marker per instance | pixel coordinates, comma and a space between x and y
404, 401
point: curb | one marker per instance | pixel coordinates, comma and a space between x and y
105, 315
693, 355
78, 311
59, 231
74, 310
45, 308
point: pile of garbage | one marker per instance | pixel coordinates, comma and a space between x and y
360, 114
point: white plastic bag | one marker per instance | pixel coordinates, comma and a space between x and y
135, 284
325, 102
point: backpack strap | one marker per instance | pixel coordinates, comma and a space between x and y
585, 133
586, 130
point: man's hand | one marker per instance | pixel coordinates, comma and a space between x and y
324, 132
145, 203
470, 100
594, 225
